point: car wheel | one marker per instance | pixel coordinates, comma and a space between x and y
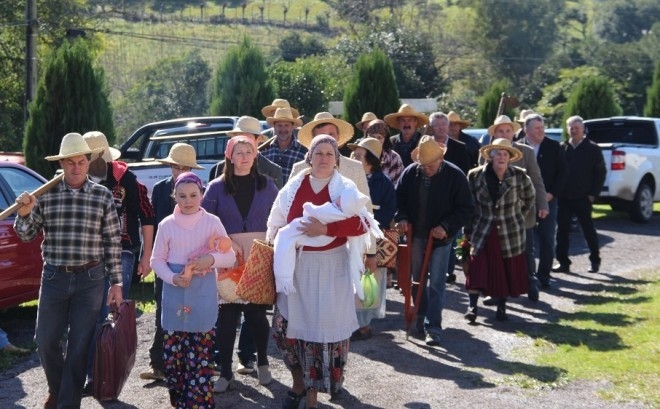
641, 208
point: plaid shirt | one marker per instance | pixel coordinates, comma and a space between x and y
507, 214
286, 158
79, 227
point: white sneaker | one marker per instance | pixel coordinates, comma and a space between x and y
245, 369
221, 385
263, 373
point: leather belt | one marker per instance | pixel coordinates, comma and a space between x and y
77, 269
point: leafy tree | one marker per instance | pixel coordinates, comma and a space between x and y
241, 85
489, 103
71, 97
302, 83
624, 21
593, 97
372, 87
652, 107
515, 36
172, 88
293, 46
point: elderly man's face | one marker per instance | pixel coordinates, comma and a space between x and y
407, 125
283, 130
440, 127
431, 168
535, 131
576, 130
504, 131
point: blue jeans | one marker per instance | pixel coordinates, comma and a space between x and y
432, 300
69, 303
545, 237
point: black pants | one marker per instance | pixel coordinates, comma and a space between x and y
255, 318
156, 349
582, 209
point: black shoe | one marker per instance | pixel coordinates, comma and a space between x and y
500, 315
595, 266
292, 400
451, 278
361, 336
561, 268
432, 340
88, 389
490, 300
545, 285
471, 314
533, 291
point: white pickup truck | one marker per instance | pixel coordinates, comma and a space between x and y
631, 148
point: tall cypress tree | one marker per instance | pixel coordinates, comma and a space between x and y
652, 107
241, 85
71, 97
489, 103
593, 97
372, 88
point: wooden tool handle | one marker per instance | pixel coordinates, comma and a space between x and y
38, 192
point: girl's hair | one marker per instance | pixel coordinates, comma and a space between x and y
231, 183
373, 161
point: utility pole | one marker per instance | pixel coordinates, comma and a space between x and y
30, 54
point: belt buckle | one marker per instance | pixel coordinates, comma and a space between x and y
69, 269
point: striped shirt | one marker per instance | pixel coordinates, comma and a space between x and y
80, 226
286, 158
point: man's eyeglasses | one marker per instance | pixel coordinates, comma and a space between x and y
181, 168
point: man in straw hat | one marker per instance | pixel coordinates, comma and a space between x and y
284, 148
406, 120
250, 127
367, 117
503, 127
521, 118
136, 217
342, 131
82, 245
181, 158
456, 126
434, 199
269, 111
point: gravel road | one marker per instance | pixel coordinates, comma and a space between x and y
472, 368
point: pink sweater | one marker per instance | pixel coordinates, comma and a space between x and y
180, 235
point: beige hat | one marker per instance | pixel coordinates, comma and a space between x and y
269, 110
524, 114
502, 120
373, 145
428, 150
72, 145
246, 124
454, 118
345, 129
284, 114
406, 110
501, 143
366, 118
96, 139
182, 154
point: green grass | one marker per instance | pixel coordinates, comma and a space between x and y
613, 338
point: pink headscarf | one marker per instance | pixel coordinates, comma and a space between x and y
229, 149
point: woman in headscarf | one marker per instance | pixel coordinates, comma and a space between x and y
390, 161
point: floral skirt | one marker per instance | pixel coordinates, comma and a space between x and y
495, 275
322, 364
188, 356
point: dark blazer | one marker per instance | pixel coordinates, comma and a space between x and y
457, 154
552, 162
586, 170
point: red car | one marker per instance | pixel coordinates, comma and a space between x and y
20, 263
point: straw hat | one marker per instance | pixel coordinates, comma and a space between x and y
269, 110
246, 124
284, 114
182, 154
524, 114
366, 118
373, 145
501, 143
72, 145
345, 129
406, 110
455, 118
96, 139
502, 120
428, 150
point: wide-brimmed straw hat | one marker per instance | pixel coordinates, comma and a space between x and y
269, 110
428, 150
182, 154
454, 118
73, 144
366, 118
96, 139
345, 129
284, 115
524, 114
406, 110
503, 120
246, 124
373, 145
501, 143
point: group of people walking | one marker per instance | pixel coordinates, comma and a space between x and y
296, 190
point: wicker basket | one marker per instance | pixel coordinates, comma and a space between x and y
257, 284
